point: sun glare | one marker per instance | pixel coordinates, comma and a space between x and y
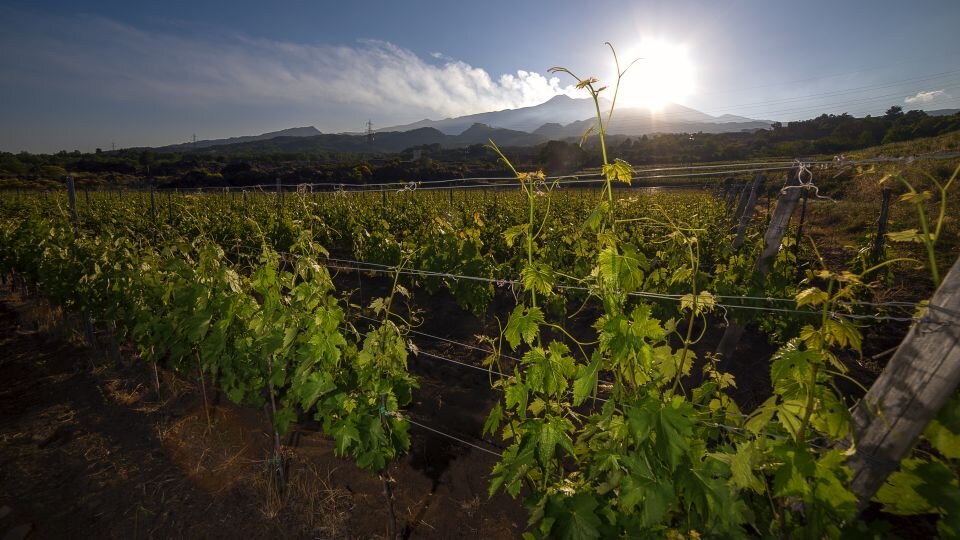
664, 75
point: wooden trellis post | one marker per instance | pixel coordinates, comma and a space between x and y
881, 226
779, 221
772, 239
741, 202
919, 379
724, 193
153, 207
748, 208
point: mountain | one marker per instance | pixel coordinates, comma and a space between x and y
562, 117
562, 109
672, 119
383, 142
481, 134
943, 112
308, 131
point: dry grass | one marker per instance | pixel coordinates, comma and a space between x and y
310, 506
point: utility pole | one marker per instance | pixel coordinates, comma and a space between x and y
194, 141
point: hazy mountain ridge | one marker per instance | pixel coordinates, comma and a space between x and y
563, 116
560, 118
561, 109
307, 131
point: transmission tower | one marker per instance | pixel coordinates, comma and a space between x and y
369, 132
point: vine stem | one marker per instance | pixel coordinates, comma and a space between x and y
281, 480
808, 408
156, 380
388, 495
203, 388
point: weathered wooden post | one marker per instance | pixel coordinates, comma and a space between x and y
741, 200
779, 221
727, 192
153, 207
921, 376
748, 210
803, 217
72, 196
881, 226
279, 200
772, 239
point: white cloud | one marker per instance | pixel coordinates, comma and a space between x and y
116, 61
926, 97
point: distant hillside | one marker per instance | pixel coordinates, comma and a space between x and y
308, 131
943, 112
562, 117
675, 119
383, 142
562, 109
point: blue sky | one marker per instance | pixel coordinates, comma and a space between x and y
80, 75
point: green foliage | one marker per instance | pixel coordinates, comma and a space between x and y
616, 428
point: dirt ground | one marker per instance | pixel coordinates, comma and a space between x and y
95, 454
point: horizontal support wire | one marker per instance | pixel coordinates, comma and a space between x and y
362, 266
387, 269
714, 170
727, 427
447, 435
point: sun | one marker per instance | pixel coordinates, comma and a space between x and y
663, 75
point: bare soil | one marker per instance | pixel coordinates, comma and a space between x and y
95, 454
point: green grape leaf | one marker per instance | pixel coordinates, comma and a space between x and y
548, 438
585, 380
283, 418
704, 302
943, 431
314, 387
812, 296
797, 465
596, 217
514, 232
493, 420
742, 464
578, 520
831, 416
901, 494
842, 334
674, 430
523, 325
915, 197
345, 435
761, 417
790, 414
537, 277
516, 396
619, 171
641, 420
909, 235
